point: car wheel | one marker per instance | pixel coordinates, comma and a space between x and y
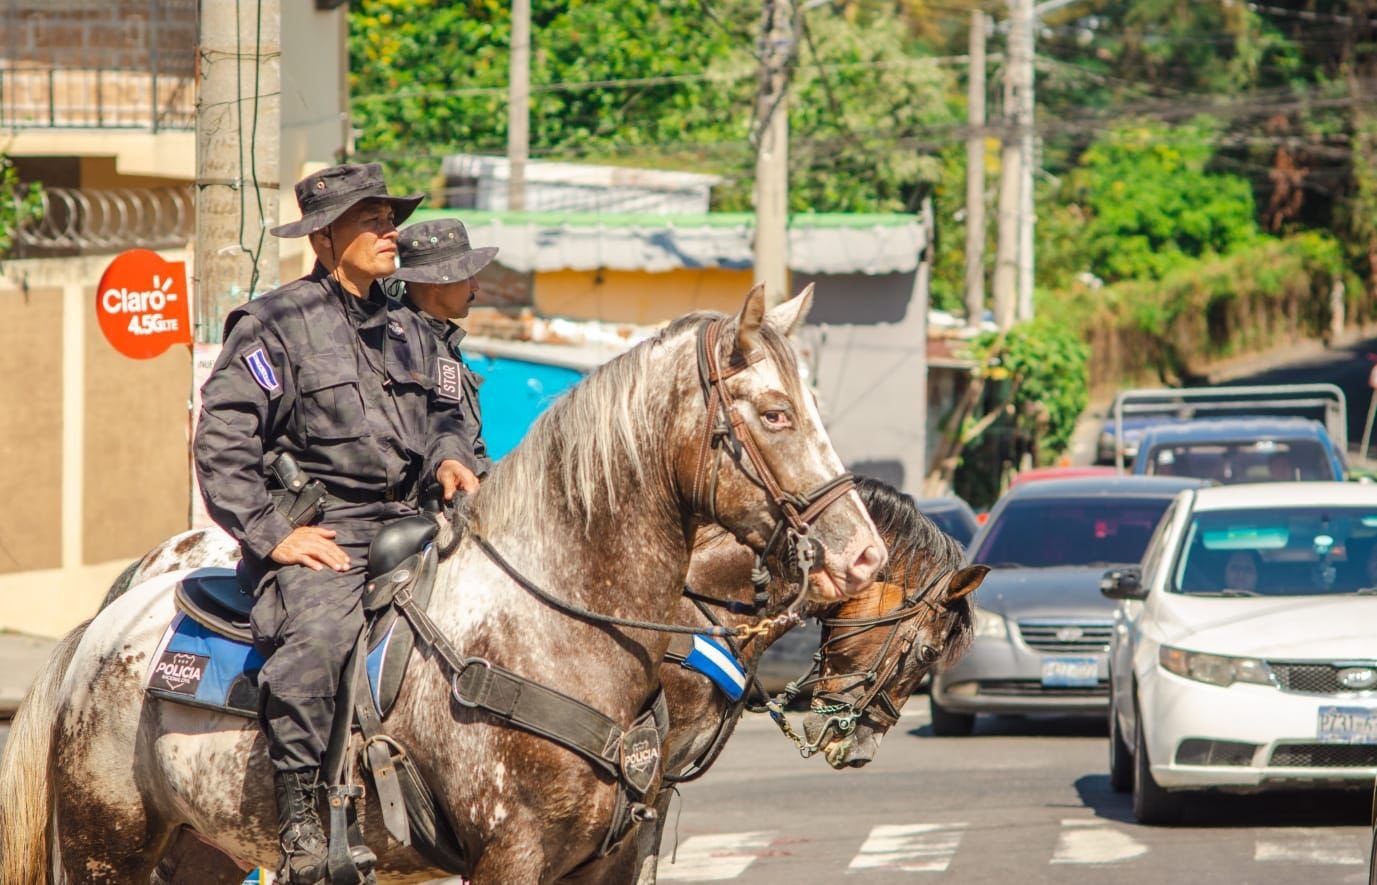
1120, 756
1372, 846
1151, 803
947, 723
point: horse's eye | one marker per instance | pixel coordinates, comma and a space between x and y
775, 419
929, 653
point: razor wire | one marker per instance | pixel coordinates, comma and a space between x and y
93, 221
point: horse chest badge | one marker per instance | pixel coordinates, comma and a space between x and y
640, 761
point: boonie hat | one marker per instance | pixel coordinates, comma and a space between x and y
326, 195
439, 252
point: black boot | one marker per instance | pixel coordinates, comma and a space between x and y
300, 833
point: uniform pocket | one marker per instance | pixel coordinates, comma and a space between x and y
331, 401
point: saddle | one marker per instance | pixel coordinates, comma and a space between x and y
207, 659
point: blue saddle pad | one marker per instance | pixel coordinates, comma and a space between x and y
197, 666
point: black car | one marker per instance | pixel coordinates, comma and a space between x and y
952, 515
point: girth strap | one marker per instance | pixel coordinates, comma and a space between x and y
480, 684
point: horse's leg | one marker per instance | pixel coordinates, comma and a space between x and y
193, 860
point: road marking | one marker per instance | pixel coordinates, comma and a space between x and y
1311, 846
913, 848
714, 858
1094, 841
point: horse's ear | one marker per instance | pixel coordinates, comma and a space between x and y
749, 320
965, 581
787, 317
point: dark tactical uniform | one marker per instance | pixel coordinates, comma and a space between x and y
349, 387
448, 337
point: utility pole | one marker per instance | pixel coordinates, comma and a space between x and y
238, 133
1027, 161
1011, 178
772, 154
975, 173
519, 105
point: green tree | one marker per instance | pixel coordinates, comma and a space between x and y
18, 205
1142, 201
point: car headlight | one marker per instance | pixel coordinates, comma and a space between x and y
1214, 669
989, 625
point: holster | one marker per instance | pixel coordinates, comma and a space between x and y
298, 498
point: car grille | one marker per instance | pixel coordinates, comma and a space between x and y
1325, 756
1067, 637
1313, 678
1027, 687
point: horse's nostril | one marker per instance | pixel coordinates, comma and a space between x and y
866, 564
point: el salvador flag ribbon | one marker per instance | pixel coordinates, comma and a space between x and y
716, 662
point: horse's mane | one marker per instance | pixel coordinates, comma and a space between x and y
919, 552
591, 441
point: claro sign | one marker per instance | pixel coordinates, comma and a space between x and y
142, 304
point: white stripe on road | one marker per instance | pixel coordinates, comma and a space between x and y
714, 858
913, 848
1311, 846
1093, 841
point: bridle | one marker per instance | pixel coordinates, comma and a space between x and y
873, 702
727, 429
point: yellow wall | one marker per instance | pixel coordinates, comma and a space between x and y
618, 296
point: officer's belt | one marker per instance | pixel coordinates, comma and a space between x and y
403, 491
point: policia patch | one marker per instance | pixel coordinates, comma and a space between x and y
448, 381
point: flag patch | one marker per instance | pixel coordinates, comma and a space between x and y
262, 370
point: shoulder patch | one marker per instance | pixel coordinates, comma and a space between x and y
447, 378
262, 370
396, 329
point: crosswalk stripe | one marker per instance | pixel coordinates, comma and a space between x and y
714, 858
913, 848
1094, 841
1310, 846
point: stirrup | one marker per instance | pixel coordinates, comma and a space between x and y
346, 864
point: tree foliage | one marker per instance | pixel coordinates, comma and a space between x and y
17, 205
664, 83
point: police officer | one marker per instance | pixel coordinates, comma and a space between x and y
350, 388
438, 279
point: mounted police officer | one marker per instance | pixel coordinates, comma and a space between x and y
342, 397
438, 278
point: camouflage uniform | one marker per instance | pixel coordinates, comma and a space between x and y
448, 337
351, 388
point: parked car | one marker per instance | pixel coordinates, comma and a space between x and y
1134, 426
1236, 450
1041, 625
952, 515
1244, 653
1038, 474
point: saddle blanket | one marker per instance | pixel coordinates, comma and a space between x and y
194, 665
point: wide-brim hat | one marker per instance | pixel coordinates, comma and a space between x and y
326, 195
439, 252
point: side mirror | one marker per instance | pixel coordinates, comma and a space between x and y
1123, 583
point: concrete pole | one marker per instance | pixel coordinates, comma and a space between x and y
238, 133
1011, 172
772, 157
975, 173
519, 105
920, 301
1027, 161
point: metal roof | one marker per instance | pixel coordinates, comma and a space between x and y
818, 243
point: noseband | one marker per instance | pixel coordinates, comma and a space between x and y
842, 715
728, 429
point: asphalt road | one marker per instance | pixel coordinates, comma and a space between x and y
1022, 800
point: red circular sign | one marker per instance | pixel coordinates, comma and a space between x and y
142, 305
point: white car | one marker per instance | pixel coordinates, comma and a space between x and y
1244, 650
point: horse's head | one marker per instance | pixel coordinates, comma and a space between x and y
877, 647
760, 462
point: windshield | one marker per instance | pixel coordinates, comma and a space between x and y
1035, 533
1281, 551
1250, 461
951, 522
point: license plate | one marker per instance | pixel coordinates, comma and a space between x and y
1348, 725
1070, 672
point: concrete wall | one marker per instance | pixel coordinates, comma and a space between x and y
95, 469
